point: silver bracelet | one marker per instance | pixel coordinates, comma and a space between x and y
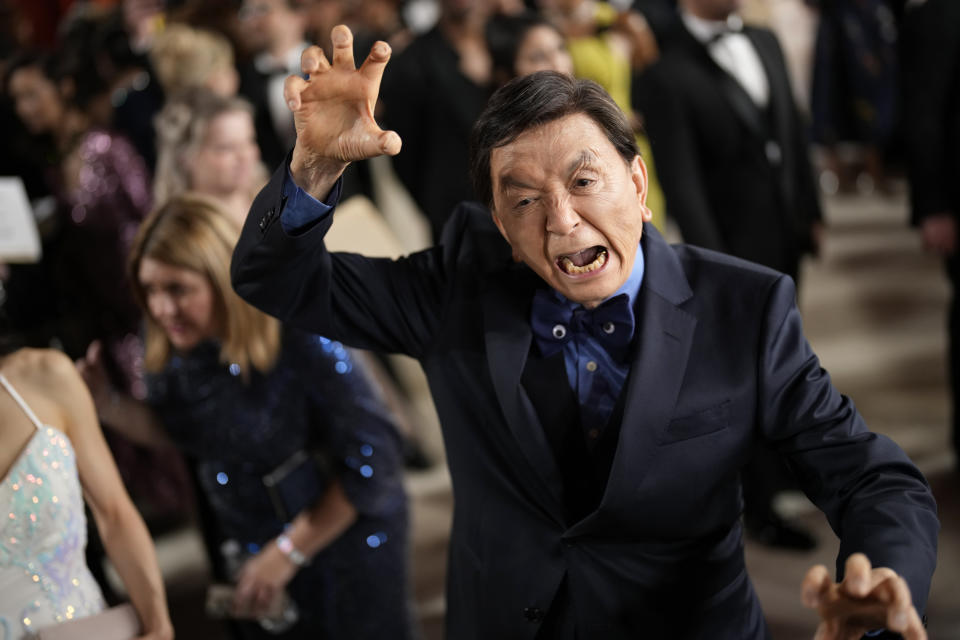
293, 554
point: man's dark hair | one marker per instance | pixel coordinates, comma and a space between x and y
534, 100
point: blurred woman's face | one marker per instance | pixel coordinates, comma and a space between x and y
226, 161
36, 99
223, 81
181, 301
542, 49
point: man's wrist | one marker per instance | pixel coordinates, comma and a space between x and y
316, 176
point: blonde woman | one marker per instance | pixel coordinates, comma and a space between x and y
298, 460
184, 58
207, 143
53, 455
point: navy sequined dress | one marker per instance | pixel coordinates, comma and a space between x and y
317, 399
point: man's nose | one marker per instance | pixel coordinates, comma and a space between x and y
561, 218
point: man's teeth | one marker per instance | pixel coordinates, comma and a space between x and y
573, 269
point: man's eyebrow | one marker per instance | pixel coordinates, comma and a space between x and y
585, 159
507, 181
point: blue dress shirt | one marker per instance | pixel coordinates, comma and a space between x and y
302, 210
595, 374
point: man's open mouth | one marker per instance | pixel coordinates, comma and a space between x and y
581, 262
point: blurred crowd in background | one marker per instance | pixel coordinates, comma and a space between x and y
113, 109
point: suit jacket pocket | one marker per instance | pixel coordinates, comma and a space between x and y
698, 424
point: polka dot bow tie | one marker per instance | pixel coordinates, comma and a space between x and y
555, 322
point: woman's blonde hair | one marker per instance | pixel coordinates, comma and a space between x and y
191, 232
181, 127
184, 57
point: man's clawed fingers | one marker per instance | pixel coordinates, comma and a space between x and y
902, 616
376, 62
342, 48
868, 598
816, 584
293, 86
862, 581
857, 581
333, 104
313, 61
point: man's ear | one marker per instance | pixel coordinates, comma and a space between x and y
638, 173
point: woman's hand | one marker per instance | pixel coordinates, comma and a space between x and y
333, 112
161, 631
263, 579
94, 373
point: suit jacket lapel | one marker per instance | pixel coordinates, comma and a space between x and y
740, 101
780, 92
781, 106
665, 333
506, 308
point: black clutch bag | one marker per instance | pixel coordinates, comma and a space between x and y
297, 483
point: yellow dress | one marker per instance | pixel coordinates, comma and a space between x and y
595, 59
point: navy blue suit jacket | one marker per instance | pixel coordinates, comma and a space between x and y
720, 364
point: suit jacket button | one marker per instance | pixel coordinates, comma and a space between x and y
263, 223
533, 614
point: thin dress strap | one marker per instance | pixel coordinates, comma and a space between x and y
20, 401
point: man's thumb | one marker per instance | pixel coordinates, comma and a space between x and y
390, 143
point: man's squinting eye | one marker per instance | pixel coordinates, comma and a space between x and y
523, 202
583, 182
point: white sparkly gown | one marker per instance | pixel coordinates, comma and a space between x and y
43, 574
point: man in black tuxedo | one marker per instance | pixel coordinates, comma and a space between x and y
930, 46
598, 388
275, 30
733, 159
729, 140
432, 95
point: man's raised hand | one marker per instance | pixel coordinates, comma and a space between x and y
868, 598
333, 112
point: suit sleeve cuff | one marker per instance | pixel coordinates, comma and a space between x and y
302, 211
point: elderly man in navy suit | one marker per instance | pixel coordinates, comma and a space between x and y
598, 389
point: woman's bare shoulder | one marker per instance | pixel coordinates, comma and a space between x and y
44, 372
33, 364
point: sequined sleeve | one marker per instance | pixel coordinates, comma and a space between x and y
356, 424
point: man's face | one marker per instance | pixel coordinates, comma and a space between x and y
267, 22
570, 206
